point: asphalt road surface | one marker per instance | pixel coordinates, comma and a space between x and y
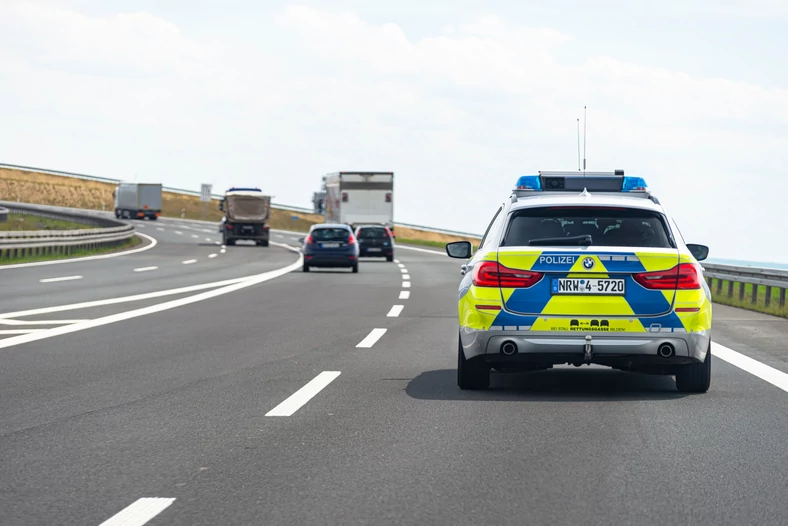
187, 395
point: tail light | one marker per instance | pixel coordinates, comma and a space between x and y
344, 197
388, 197
681, 277
229, 226
309, 240
493, 274
351, 240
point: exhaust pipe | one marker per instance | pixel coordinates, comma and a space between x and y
509, 348
666, 350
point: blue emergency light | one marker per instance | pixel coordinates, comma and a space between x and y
604, 182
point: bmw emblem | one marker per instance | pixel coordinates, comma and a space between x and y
588, 263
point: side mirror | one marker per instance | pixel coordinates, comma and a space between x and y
699, 252
459, 249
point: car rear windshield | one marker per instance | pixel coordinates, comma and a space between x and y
372, 233
330, 234
566, 226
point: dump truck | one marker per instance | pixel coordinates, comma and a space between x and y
137, 200
246, 211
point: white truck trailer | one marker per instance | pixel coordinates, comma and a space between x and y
356, 198
138, 200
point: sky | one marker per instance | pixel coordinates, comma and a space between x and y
458, 98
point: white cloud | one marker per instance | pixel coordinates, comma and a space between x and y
458, 114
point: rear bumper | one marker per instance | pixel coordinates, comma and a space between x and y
332, 260
240, 231
562, 347
379, 253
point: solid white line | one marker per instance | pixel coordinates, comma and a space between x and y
754, 367
404, 294
160, 229
106, 320
145, 269
395, 311
423, 250
189, 261
178, 232
304, 395
40, 322
152, 244
212, 256
371, 338
280, 236
64, 278
139, 513
406, 276
406, 284
20, 331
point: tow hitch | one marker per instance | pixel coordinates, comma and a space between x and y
588, 350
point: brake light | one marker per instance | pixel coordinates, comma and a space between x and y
309, 240
493, 274
681, 277
351, 240
229, 226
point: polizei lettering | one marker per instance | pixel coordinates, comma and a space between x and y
558, 260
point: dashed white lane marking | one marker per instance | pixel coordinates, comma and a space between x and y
178, 232
208, 239
224, 246
395, 311
406, 276
223, 251
227, 287
404, 294
145, 269
139, 513
403, 269
20, 331
754, 367
304, 395
189, 261
406, 284
211, 256
64, 278
396, 261
195, 236
160, 229
371, 338
206, 230
217, 243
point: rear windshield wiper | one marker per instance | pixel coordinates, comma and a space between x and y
584, 240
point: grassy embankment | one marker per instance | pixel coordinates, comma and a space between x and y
720, 295
20, 222
77, 253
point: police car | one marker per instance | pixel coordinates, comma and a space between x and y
581, 268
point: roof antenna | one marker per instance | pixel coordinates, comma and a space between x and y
585, 124
578, 145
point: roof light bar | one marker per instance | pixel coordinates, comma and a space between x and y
599, 182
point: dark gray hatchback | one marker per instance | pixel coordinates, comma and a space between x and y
330, 245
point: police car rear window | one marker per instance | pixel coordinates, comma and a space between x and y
330, 234
589, 226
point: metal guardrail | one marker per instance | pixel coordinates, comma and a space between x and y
3, 214
107, 233
718, 274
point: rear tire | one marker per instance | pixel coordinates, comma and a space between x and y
264, 243
390, 258
471, 374
695, 378
230, 242
355, 268
306, 267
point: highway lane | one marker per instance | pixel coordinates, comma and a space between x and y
173, 405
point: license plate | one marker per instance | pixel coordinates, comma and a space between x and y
375, 250
330, 245
614, 287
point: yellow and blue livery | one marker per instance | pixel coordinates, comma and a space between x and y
583, 268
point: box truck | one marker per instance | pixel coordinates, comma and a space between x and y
138, 200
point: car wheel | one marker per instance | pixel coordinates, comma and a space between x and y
264, 243
306, 267
355, 268
230, 242
471, 374
390, 258
695, 378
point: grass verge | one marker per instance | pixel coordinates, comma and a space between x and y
79, 253
23, 222
726, 292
